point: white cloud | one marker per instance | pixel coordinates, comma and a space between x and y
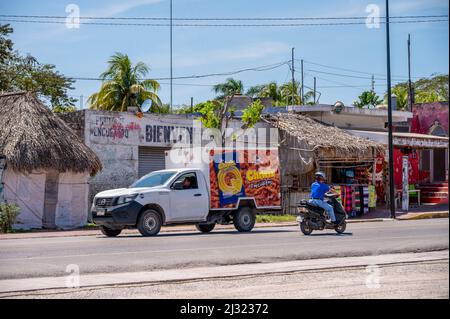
118, 8
250, 51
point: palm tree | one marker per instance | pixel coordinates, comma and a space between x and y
124, 85
401, 93
229, 88
368, 99
289, 89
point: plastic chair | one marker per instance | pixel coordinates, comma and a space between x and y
414, 193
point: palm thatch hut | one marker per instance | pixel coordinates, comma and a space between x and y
47, 165
307, 145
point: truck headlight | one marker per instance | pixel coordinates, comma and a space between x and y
126, 199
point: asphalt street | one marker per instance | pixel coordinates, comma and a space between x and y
38, 257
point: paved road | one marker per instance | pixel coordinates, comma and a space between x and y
22, 258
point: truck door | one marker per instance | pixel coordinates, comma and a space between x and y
191, 202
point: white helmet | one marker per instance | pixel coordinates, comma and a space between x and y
321, 174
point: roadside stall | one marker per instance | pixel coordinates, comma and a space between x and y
411, 184
307, 145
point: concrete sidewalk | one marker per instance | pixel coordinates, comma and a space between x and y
379, 215
421, 212
216, 272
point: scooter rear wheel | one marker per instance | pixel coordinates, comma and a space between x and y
341, 227
305, 228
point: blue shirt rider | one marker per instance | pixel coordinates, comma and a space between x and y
318, 190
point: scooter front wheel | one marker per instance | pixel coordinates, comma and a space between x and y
305, 228
341, 227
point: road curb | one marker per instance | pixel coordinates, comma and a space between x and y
427, 216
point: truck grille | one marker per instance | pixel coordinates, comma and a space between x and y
104, 202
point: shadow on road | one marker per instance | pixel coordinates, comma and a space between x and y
329, 234
219, 232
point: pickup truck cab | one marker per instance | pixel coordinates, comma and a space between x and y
164, 197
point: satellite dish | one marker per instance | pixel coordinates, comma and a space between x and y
146, 105
338, 107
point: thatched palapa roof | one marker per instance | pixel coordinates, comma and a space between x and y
33, 138
322, 139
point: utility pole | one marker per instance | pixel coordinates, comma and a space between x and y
192, 104
293, 78
302, 92
390, 139
314, 90
171, 71
81, 102
373, 83
410, 90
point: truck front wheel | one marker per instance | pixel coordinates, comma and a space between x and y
149, 223
244, 219
205, 228
109, 232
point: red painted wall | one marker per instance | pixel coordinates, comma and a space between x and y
425, 115
413, 160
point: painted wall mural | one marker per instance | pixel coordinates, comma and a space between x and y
131, 130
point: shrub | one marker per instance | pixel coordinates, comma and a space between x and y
8, 214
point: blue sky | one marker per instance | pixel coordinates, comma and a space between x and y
83, 52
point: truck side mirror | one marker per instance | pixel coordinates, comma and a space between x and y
178, 185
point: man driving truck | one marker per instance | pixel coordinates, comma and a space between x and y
318, 190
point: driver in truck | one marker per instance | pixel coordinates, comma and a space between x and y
318, 190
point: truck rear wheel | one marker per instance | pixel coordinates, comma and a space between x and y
244, 219
205, 228
109, 232
149, 223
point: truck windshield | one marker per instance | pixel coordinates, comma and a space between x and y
153, 179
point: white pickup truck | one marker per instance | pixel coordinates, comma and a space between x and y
222, 191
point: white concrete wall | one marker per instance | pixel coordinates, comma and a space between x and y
27, 191
73, 207
116, 136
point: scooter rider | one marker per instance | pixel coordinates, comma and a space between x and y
318, 190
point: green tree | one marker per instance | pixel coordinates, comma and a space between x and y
252, 114
401, 93
281, 95
255, 91
289, 89
124, 85
229, 88
25, 73
426, 90
368, 99
431, 89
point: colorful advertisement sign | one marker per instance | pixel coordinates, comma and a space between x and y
244, 173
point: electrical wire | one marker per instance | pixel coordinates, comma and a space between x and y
223, 19
354, 71
220, 25
255, 69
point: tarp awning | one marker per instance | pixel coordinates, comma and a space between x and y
404, 139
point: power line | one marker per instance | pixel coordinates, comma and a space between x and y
354, 76
255, 69
352, 70
221, 25
222, 19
